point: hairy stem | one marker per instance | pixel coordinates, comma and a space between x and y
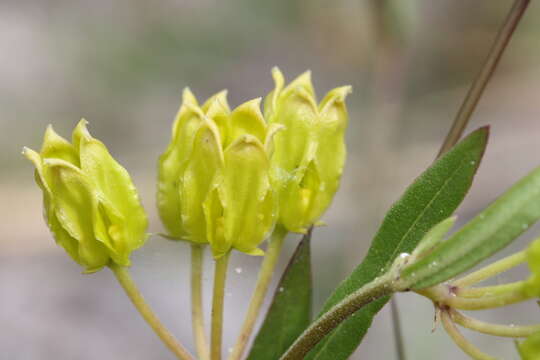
478, 86
514, 331
370, 292
220, 276
263, 281
127, 283
491, 270
460, 340
197, 318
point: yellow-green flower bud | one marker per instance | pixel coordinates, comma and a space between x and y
172, 162
530, 348
309, 154
91, 205
214, 178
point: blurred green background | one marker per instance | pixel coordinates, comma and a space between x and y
122, 66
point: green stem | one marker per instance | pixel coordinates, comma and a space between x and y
318, 329
491, 270
396, 322
261, 287
514, 331
220, 277
443, 295
197, 318
478, 86
485, 291
461, 341
127, 283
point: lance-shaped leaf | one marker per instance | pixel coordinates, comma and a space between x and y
432, 198
290, 311
491, 230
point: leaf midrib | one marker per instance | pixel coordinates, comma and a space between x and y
394, 253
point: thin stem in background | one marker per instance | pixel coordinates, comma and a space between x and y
398, 335
220, 277
127, 283
265, 276
197, 317
389, 63
478, 86
460, 340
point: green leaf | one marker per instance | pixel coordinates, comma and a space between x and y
432, 198
290, 312
491, 230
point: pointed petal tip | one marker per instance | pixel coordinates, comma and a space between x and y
50, 132
188, 97
305, 76
277, 75
256, 102
31, 155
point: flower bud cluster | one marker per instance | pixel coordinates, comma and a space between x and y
227, 176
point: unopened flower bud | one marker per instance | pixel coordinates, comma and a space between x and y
214, 183
91, 205
309, 154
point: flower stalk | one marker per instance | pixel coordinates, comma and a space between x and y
263, 281
220, 277
124, 278
491, 270
513, 331
197, 318
460, 340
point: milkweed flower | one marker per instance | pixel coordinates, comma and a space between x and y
309, 154
90, 203
214, 181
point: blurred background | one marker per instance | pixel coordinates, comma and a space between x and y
122, 65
